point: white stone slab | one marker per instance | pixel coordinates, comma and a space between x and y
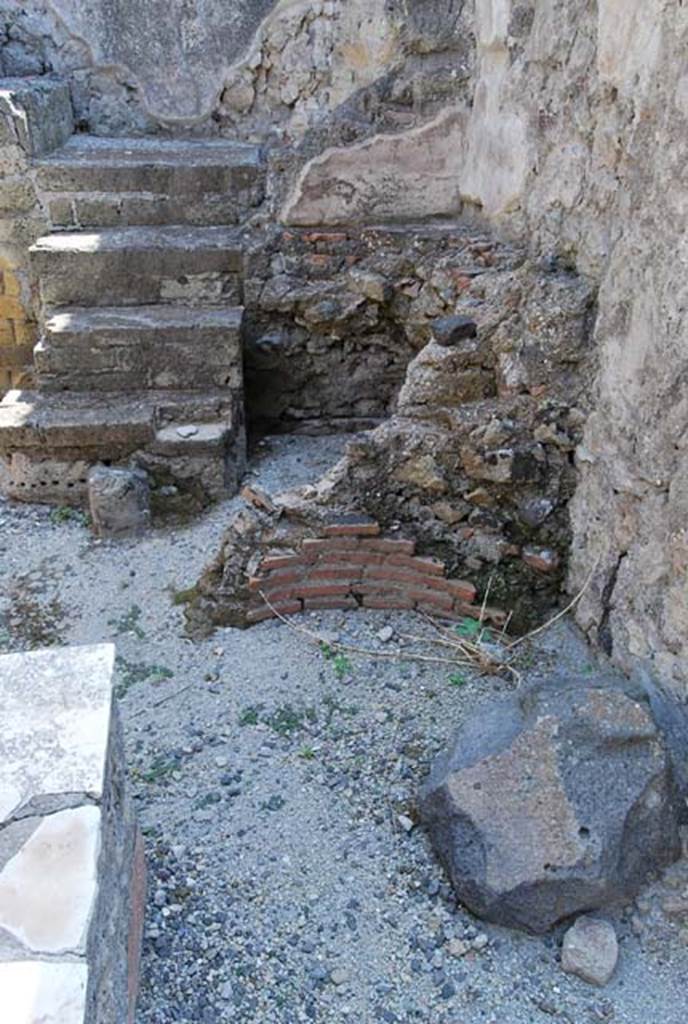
55, 723
48, 888
36, 992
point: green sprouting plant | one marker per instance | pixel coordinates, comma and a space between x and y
285, 720
469, 629
129, 623
307, 754
161, 766
457, 679
340, 663
64, 514
250, 715
132, 672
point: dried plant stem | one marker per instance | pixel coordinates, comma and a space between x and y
559, 615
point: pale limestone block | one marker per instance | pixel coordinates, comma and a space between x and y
40, 992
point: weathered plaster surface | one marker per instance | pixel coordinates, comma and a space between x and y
177, 52
384, 178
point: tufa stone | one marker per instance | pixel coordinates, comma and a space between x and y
590, 950
119, 501
449, 330
557, 800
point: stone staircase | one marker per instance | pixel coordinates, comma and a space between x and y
140, 355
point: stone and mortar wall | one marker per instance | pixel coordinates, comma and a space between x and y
34, 118
473, 453
576, 142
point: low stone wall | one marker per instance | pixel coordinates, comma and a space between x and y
333, 317
35, 116
72, 869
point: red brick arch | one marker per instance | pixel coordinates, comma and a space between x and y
350, 566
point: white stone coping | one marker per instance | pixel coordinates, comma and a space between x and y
36, 992
54, 734
54, 724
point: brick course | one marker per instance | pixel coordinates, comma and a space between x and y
352, 566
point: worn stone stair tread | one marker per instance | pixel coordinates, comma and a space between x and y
143, 239
31, 419
182, 438
76, 320
191, 168
81, 149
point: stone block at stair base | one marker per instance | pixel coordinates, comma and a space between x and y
72, 874
36, 113
119, 501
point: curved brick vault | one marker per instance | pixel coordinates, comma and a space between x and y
343, 563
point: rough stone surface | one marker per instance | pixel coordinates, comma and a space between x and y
590, 950
557, 801
41, 992
119, 501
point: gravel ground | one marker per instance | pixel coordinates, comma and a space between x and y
273, 784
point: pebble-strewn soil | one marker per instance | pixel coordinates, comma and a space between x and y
274, 783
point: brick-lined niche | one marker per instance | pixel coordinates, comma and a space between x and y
352, 565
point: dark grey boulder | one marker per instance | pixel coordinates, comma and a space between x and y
450, 330
556, 801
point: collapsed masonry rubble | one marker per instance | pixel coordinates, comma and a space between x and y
72, 870
476, 365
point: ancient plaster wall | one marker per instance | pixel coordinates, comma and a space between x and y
254, 67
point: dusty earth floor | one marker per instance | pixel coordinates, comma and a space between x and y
269, 781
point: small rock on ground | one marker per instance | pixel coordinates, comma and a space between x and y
590, 950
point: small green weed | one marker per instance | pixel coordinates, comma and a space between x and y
457, 679
340, 663
132, 672
250, 715
469, 629
161, 766
307, 754
64, 514
129, 623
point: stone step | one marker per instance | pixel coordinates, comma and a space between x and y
171, 167
140, 348
139, 266
192, 444
70, 211
93, 420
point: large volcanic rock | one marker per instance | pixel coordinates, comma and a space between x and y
556, 801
